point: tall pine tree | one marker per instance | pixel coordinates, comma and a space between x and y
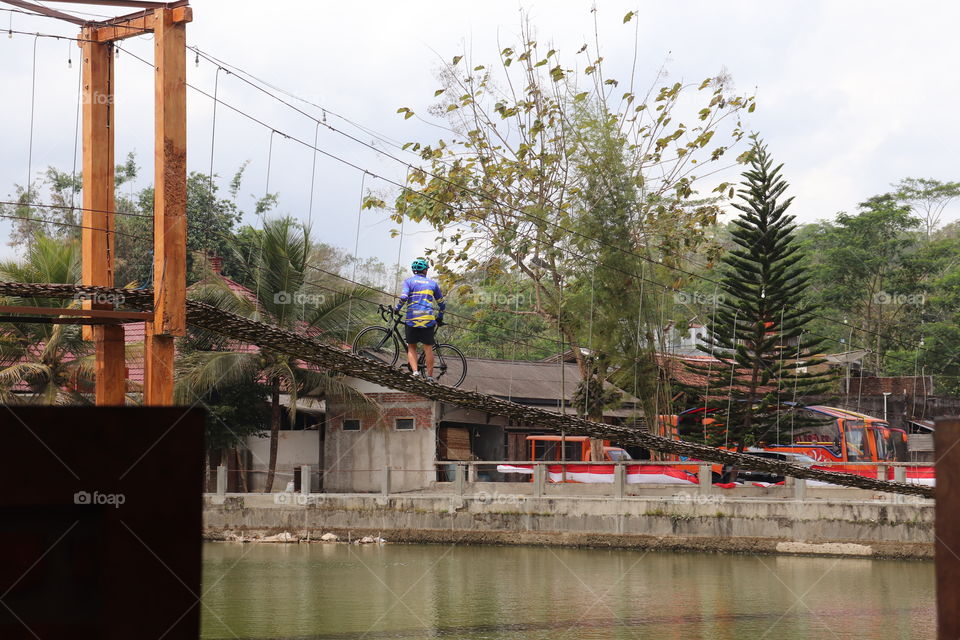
764, 364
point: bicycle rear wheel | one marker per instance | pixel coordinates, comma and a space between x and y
377, 343
449, 364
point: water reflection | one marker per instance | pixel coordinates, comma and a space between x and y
317, 591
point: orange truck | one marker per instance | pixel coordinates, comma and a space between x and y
571, 449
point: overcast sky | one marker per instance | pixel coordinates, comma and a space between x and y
852, 96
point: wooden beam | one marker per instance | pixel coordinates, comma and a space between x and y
97, 237
98, 177
158, 369
50, 320
136, 24
110, 372
170, 207
124, 29
947, 527
170, 182
133, 316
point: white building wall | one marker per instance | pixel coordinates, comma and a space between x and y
294, 449
354, 460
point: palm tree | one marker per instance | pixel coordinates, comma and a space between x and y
51, 362
276, 275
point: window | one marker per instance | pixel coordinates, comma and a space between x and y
351, 425
404, 424
619, 455
856, 437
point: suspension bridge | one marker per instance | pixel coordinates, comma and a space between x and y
310, 349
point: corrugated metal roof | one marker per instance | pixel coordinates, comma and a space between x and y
524, 380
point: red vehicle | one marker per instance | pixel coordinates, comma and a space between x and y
848, 437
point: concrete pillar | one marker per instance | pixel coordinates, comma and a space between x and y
620, 480
461, 478
799, 489
305, 479
471, 473
882, 472
899, 475
539, 479
705, 475
221, 480
385, 482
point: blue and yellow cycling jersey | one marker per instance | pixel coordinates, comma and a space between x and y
423, 299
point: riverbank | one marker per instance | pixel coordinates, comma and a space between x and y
670, 522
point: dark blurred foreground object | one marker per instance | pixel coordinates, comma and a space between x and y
947, 527
100, 520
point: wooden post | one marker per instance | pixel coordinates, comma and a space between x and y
97, 238
170, 204
158, 368
947, 527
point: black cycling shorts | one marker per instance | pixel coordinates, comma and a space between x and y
420, 335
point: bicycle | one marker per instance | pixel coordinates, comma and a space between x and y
382, 343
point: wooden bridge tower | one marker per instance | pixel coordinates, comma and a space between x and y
167, 22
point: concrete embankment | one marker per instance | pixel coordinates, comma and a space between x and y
868, 527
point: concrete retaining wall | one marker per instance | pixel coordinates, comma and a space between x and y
670, 522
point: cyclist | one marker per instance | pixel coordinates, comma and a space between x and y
425, 308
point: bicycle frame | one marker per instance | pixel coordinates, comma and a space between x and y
387, 312
444, 353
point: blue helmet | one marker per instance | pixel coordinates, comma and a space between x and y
420, 265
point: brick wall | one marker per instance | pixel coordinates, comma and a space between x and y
899, 385
422, 417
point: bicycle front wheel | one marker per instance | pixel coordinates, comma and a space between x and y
377, 343
449, 365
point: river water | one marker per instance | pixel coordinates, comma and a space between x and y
349, 592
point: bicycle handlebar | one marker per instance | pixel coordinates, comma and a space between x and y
387, 312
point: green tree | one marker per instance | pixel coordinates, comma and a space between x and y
211, 223
858, 267
611, 304
278, 275
503, 188
44, 363
928, 198
765, 359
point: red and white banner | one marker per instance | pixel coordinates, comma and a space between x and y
603, 473
915, 475
588, 473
